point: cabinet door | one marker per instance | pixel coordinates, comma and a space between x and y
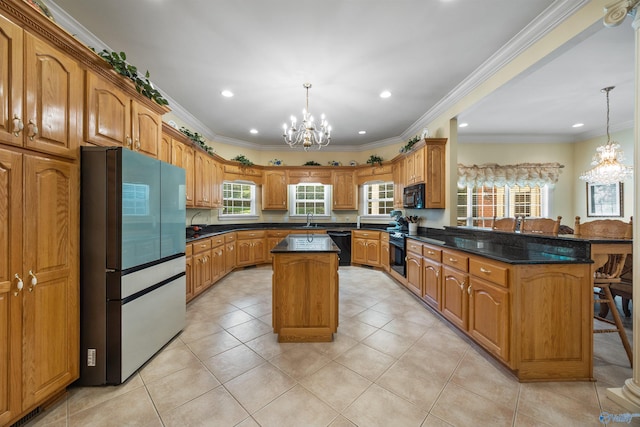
243, 252
164, 150
373, 252
189, 278
384, 256
344, 190
259, 250
414, 273
108, 115
146, 129
54, 99
454, 296
217, 263
359, 251
399, 179
229, 257
410, 169
489, 316
431, 283
183, 156
203, 179
434, 179
11, 85
50, 268
418, 165
202, 272
217, 174
10, 265
274, 190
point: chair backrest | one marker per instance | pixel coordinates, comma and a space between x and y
609, 228
504, 224
540, 225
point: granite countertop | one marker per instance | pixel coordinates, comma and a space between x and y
305, 243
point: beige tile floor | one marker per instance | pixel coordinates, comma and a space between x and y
392, 363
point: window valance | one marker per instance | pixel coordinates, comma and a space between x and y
522, 174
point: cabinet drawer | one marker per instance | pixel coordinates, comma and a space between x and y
278, 233
188, 250
414, 246
384, 237
456, 260
217, 241
432, 253
230, 237
487, 270
201, 245
366, 234
250, 234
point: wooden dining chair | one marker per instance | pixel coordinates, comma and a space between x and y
504, 224
545, 226
608, 269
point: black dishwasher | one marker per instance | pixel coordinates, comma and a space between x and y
343, 240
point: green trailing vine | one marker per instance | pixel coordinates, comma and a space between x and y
119, 63
373, 159
410, 144
311, 163
197, 139
243, 160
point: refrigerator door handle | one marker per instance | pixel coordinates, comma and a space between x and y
109, 270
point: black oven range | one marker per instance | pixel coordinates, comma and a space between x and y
397, 252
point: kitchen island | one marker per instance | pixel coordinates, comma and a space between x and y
305, 288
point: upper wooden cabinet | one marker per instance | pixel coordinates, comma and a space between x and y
398, 182
414, 166
164, 149
309, 174
378, 173
236, 171
41, 112
115, 118
434, 173
345, 190
203, 183
274, 189
183, 155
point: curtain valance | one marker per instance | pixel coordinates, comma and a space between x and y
522, 174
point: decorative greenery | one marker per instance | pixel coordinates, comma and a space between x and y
243, 160
197, 139
119, 63
373, 159
311, 163
410, 144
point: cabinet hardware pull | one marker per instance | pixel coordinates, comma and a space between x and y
19, 285
469, 290
462, 286
137, 143
33, 129
127, 141
17, 125
453, 260
33, 282
484, 270
430, 253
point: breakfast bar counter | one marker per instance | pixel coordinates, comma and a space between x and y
305, 288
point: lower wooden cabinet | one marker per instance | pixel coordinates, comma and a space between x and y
250, 248
189, 273
365, 247
384, 252
229, 252
431, 284
455, 302
489, 316
413, 269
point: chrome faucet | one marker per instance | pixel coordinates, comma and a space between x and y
309, 222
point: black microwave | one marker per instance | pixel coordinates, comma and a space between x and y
413, 197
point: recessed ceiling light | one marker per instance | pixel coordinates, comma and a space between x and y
362, 132
253, 131
226, 93
578, 125
385, 94
463, 125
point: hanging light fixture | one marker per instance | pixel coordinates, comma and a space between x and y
606, 161
307, 134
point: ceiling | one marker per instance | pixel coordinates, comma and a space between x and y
425, 52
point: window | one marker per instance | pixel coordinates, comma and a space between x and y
310, 198
378, 199
478, 205
238, 199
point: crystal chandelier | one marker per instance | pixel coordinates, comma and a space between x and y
606, 161
307, 133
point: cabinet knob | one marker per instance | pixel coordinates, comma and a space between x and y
33, 129
17, 125
19, 285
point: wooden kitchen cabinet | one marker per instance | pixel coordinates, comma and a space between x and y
164, 148
203, 170
202, 269
345, 190
413, 270
384, 252
229, 252
399, 178
309, 175
113, 117
434, 173
41, 95
455, 301
273, 238
217, 258
250, 248
217, 173
183, 155
189, 272
365, 247
414, 166
431, 272
274, 190
489, 316
39, 284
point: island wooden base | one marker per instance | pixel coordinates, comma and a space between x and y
305, 296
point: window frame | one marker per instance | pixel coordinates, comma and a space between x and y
252, 198
328, 193
364, 211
